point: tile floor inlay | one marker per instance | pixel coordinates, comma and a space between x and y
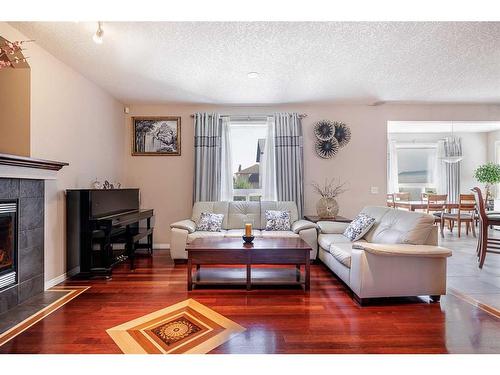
186, 327
69, 293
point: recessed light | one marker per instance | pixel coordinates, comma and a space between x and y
252, 75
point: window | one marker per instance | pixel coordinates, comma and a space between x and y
417, 167
248, 140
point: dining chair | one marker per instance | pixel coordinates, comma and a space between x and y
403, 196
485, 244
464, 214
436, 206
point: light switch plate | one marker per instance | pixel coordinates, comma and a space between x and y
374, 189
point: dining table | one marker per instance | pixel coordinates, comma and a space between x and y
421, 205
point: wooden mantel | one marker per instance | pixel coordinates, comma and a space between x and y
23, 161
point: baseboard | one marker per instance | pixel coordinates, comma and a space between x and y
59, 279
161, 246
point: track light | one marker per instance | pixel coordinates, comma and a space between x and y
98, 34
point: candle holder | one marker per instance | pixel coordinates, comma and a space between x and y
248, 237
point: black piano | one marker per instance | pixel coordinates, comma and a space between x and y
104, 228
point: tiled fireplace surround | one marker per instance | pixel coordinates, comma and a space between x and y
30, 280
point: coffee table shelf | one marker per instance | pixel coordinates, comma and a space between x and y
232, 251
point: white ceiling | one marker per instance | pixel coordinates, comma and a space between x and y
442, 126
208, 62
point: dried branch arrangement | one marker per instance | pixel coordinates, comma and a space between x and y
330, 189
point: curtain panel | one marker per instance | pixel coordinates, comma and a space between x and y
208, 157
449, 174
289, 159
269, 164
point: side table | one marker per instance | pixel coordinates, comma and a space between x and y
338, 219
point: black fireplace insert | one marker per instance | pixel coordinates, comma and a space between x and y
8, 243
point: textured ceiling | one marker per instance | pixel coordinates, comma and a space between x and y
208, 62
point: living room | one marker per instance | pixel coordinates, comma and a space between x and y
134, 140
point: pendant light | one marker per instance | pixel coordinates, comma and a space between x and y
452, 148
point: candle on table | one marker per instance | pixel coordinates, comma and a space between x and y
248, 230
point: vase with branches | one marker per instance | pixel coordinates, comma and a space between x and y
327, 206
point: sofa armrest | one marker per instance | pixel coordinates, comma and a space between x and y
187, 224
403, 250
331, 227
302, 224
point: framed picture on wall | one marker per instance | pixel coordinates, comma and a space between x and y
156, 136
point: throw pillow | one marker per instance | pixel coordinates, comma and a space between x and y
277, 220
359, 227
210, 222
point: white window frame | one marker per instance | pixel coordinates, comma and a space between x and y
417, 145
247, 193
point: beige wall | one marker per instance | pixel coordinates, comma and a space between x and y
15, 111
166, 181
72, 120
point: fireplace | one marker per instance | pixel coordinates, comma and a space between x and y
8, 243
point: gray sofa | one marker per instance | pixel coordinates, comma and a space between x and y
398, 256
236, 214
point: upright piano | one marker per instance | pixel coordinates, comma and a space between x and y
104, 228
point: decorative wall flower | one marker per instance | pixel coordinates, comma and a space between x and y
324, 130
327, 149
11, 48
342, 133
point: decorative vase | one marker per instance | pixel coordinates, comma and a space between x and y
327, 208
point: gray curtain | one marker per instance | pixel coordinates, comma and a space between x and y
452, 147
208, 157
289, 159
453, 181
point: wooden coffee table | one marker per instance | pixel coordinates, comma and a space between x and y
263, 251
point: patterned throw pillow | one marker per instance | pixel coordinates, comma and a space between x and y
277, 220
359, 227
210, 222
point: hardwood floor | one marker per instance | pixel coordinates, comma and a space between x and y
324, 320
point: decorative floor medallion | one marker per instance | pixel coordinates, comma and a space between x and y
186, 327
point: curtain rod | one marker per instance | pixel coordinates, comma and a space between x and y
301, 115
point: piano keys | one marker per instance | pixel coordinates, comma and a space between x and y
98, 220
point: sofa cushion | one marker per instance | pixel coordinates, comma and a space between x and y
358, 227
278, 234
277, 220
213, 207
278, 206
240, 213
342, 252
210, 222
401, 227
325, 240
202, 234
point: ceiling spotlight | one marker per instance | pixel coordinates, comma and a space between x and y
252, 75
98, 34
